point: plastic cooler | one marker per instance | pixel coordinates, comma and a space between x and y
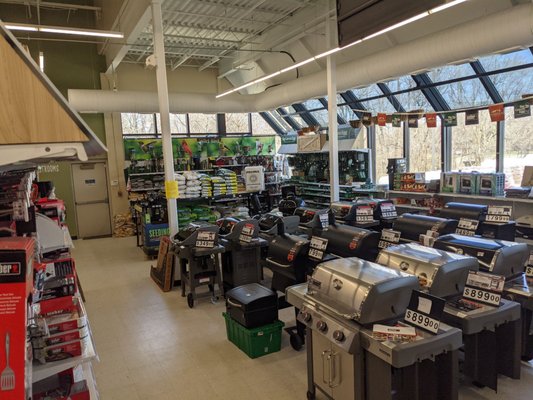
254, 342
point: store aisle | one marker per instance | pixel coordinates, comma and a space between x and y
152, 346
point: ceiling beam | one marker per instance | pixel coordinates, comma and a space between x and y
209, 27
227, 5
50, 4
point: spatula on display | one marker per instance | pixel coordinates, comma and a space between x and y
7, 378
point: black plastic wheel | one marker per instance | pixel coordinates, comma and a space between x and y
190, 300
296, 342
310, 396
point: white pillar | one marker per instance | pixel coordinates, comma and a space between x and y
162, 92
331, 42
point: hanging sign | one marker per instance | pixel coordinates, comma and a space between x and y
382, 119
471, 117
425, 311
412, 121
367, 119
389, 238
317, 247
522, 109
431, 120
499, 214
496, 112
396, 120
467, 227
483, 287
449, 119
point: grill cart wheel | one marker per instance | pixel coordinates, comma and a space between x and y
296, 341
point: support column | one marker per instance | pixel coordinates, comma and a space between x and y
371, 144
162, 93
331, 42
500, 145
406, 143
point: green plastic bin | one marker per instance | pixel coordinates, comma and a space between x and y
254, 342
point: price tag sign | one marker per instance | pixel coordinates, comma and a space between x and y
247, 233
364, 214
317, 248
499, 214
529, 267
388, 210
205, 239
484, 288
425, 311
324, 220
389, 238
467, 227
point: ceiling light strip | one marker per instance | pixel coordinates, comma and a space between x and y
63, 30
337, 49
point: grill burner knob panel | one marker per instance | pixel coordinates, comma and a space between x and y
322, 326
339, 336
307, 317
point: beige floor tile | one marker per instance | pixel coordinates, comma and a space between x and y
153, 347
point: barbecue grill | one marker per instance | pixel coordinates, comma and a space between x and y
346, 213
196, 248
484, 327
339, 304
413, 225
309, 219
242, 256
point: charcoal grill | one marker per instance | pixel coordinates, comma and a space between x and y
339, 304
412, 226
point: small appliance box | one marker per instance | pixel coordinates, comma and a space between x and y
252, 305
492, 184
254, 178
16, 287
449, 182
469, 183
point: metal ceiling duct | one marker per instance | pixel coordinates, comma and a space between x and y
490, 34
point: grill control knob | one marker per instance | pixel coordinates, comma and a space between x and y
307, 317
322, 326
339, 336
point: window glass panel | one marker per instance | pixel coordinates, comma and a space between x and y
203, 123
313, 104
277, 117
260, 126
451, 72
401, 83
465, 94
340, 100
474, 146
498, 61
369, 91
321, 116
346, 113
424, 149
518, 146
237, 123
178, 123
288, 109
414, 101
137, 124
299, 120
379, 106
512, 85
389, 144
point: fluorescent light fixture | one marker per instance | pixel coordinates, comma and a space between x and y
81, 32
337, 49
63, 30
21, 27
41, 61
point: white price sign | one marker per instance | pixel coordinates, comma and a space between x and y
245, 238
483, 287
388, 210
389, 238
467, 227
529, 271
247, 233
205, 239
364, 214
499, 214
324, 220
317, 247
422, 321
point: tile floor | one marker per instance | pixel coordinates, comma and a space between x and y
152, 346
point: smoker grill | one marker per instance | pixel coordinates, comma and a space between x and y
495, 256
341, 301
242, 256
310, 219
413, 225
198, 265
350, 241
346, 213
444, 274
269, 225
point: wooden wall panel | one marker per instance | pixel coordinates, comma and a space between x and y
29, 113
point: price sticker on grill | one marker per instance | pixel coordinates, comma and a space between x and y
467, 227
247, 233
317, 247
205, 239
389, 238
484, 288
388, 210
425, 311
364, 214
324, 220
499, 214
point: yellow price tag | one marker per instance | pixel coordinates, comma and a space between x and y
171, 189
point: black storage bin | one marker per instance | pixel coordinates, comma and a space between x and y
252, 305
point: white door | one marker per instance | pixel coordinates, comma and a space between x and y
91, 199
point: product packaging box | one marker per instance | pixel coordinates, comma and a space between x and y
311, 143
449, 182
492, 184
469, 183
16, 293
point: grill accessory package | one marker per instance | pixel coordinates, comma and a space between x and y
16, 287
413, 225
339, 304
495, 256
252, 305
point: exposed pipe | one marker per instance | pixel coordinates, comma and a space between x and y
486, 35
